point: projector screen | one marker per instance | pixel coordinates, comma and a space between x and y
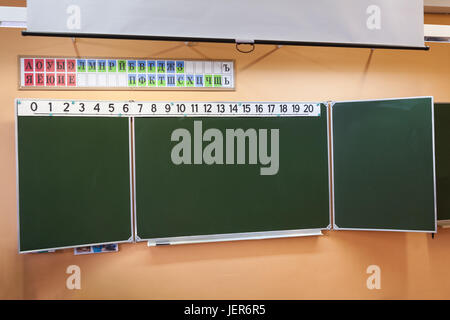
361, 23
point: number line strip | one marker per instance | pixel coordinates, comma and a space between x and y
35, 107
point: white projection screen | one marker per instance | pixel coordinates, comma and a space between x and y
354, 23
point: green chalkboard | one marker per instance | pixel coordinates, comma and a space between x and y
383, 154
182, 200
442, 129
74, 181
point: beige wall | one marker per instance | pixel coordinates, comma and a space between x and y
331, 266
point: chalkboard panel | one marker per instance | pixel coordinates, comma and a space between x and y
442, 122
383, 154
73, 181
180, 200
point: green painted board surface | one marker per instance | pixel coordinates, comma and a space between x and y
383, 165
442, 128
74, 181
200, 199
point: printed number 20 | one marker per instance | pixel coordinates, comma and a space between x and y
308, 108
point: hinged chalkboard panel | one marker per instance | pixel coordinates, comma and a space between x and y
442, 121
384, 176
73, 181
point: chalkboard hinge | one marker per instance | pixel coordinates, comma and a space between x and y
335, 226
329, 227
138, 238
